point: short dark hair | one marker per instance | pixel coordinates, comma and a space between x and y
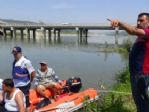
17, 49
144, 14
8, 82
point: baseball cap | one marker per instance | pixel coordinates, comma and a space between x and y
17, 49
43, 62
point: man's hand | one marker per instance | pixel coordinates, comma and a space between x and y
114, 23
132, 30
33, 74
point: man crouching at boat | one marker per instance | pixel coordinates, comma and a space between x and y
13, 98
46, 78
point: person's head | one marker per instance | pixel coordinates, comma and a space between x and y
7, 85
143, 20
17, 52
43, 66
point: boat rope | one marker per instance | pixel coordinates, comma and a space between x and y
116, 92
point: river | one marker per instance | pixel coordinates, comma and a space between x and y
68, 58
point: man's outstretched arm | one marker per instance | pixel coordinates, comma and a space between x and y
128, 28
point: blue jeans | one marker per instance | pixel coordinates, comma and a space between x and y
139, 83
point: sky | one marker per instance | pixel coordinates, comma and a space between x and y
73, 11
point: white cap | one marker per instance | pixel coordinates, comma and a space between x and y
43, 62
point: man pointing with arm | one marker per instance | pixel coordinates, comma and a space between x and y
138, 60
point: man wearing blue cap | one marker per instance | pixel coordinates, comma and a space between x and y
22, 73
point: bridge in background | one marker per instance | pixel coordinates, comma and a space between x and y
28, 28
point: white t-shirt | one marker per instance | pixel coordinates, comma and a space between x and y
10, 104
23, 63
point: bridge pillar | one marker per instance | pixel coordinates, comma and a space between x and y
14, 33
80, 35
5, 32
116, 35
54, 31
34, 34
85, 32
49, 34
44, 33
11, 33
22, 33
28, 33
58, 35
77, 30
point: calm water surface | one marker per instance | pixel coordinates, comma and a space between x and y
67, 58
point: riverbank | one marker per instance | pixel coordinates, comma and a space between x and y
117, 98
120, 100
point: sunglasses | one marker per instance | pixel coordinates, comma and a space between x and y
14, 52
140, 20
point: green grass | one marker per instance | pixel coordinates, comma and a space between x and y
119, 102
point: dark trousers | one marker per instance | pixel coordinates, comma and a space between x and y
25, 90
139, 85
2, 108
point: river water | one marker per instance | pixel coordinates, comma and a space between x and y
68, 58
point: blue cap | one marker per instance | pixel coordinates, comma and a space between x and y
17, 49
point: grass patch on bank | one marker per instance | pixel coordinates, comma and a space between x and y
121, 100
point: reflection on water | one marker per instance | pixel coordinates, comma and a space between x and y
66, 56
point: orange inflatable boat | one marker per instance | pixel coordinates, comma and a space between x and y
67, 102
